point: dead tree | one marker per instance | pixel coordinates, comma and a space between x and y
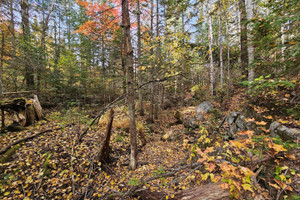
104, 151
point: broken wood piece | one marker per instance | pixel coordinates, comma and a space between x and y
205, 192
104, 151
37, 107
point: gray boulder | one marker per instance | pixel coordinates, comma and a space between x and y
203, 108
237, 123
284, 132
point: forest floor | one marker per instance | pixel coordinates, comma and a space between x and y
55, 166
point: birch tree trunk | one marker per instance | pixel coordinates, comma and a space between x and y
139, 57
128, 54
221, 44
210, 38
249, 10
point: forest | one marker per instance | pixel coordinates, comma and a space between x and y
150, 99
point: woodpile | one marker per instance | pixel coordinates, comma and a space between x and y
23, 111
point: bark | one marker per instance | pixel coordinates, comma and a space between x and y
221, 45
38, 108
249, 10
128, 54
244, 48
104, 151
205, 192
2, 61
139, 57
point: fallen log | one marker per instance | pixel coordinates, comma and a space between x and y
5, 149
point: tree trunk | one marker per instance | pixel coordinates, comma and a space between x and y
183, 61
244, 48
29, 75
12, 22
221, 44
152, 91
228, 56
2, 61
139, 57
249, 9
157, 62
210, 37
130, 84
104, 151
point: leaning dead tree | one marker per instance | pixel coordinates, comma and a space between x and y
23, 111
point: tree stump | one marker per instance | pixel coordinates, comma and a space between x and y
104, 151
25, 112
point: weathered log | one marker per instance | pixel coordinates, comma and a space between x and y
104, 151
206, 192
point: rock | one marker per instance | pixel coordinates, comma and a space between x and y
284, 132
238, 123
171, 135
190, 122
203, 108
232, 117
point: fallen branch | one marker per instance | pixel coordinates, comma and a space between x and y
5, 149
110, 105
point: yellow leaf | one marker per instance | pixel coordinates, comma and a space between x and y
261, 123
167, 197
205, 176
275, 186
17, 192
247, 187
6, 193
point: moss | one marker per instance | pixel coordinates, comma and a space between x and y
8, 155
46, 165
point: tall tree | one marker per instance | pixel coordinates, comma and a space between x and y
139, 56
29, 73
249, 10
244, 48
221, 43
128, 54
210, 36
